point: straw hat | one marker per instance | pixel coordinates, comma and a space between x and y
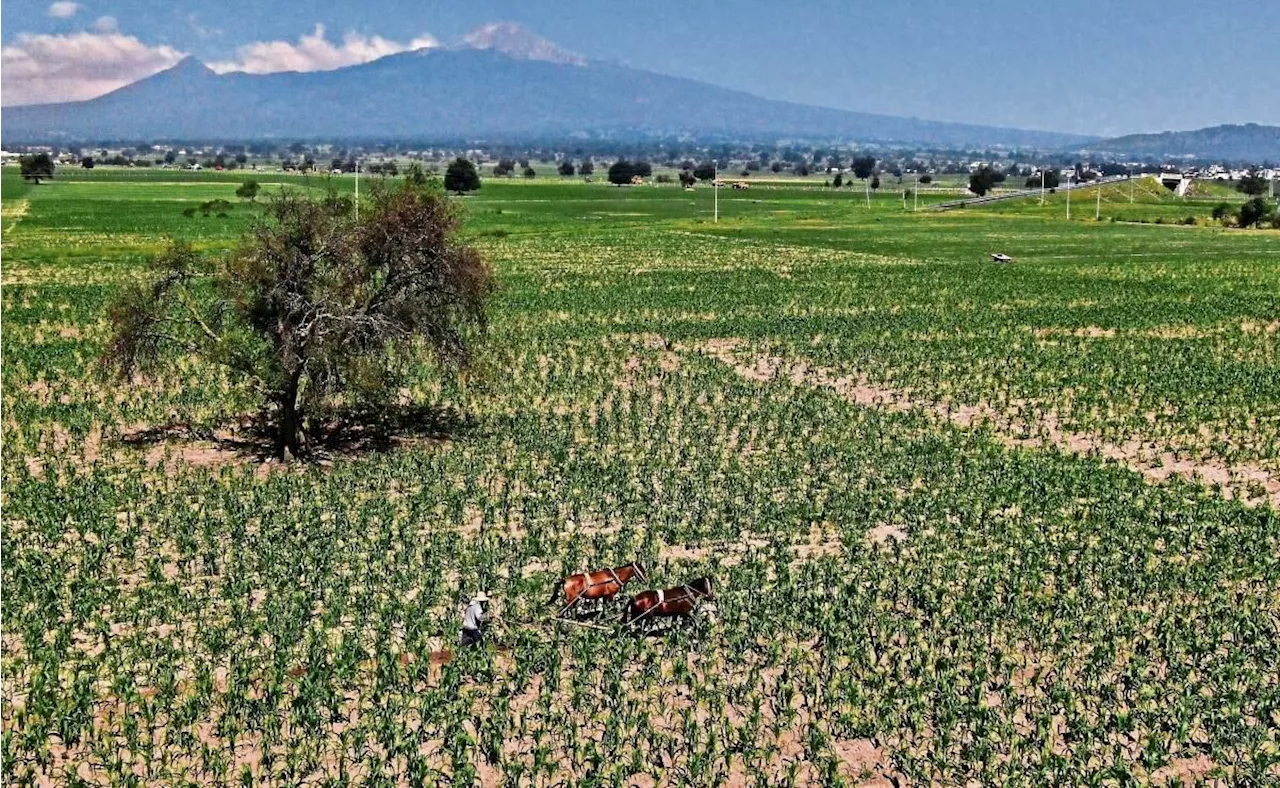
480, 596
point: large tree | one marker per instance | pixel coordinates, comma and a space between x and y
461, 176
620, 172
314, 305
36, 166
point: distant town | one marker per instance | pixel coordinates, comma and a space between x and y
1012, 168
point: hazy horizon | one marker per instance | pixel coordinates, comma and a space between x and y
1125, 70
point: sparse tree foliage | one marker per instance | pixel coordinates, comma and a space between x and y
415, 176
686, 179
248, 190
705, 171
314, 303
863, 166
1253, 184
461, 176
565, 169
36, 167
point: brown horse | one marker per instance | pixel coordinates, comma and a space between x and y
601, 584
679, 601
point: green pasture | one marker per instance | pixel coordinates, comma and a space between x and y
924, 485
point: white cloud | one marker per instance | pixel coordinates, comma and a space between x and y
106, 24
314, 52
45, 68
63, 9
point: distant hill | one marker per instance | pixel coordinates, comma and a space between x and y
500, 81
1248, 143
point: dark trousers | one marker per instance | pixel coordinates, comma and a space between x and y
470, 637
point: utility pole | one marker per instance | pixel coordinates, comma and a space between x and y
1131, 184
1097, 212
715, 189
867, 183
1069, 177
1042, 177
916, 192
357, 190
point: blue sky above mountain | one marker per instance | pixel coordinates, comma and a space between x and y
1092, 66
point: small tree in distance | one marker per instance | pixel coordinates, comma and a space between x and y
1254, 212
461, 176
248, 190
314, 307
984, 179
705, 171
863, 166
620, 172
1051, 180
586, 167
1253, 184
36, 167
565, 169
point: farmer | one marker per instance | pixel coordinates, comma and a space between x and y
473, 621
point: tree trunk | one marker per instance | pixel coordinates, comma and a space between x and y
288, 442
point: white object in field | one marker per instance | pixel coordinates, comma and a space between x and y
1000, 257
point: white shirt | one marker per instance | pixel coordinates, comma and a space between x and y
474, 617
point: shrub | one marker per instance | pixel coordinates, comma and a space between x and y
1255, 212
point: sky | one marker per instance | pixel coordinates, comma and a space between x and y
1103, 67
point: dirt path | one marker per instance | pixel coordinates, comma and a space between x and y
11, 212
1045, 431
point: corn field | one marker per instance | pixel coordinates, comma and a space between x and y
967, 523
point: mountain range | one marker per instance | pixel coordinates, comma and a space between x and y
500, 81
1248, 143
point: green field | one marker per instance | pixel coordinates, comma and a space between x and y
967, 522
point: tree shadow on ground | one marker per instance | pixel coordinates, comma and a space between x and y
347, 432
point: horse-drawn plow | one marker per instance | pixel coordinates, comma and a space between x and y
596, 595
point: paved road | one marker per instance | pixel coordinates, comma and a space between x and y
946, 206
